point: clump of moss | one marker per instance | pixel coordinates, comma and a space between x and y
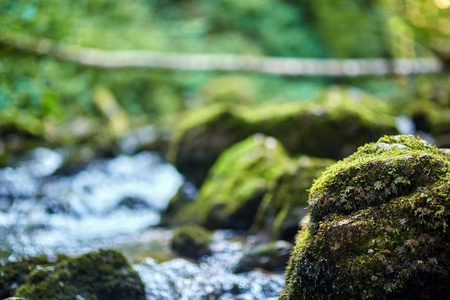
191, 241
13, 273
332, 128
378, 226
97, 275
234, 188
286, 202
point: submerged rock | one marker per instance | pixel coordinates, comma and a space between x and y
378, 226
191, 241
230, 196
271, 257
333, 128
97, 275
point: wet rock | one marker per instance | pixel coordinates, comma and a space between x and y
378, 226
97, 275
134, 203
271, 257
286, 202
230, 196
191, 241
334, 127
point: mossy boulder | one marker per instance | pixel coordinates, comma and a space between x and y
332, 128
236, 184
378, 226
97, 275
13, 273
285, 204
191, 241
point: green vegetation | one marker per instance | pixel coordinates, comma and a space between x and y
57, 93
97, 275
13, 274
236, 183
333, 127
253, 183
378, 226
253, 143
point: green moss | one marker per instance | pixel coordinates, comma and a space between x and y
334, 127
236, 184
191, 241
378, 226
13, 273
97, 275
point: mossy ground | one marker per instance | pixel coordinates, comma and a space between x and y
378, 226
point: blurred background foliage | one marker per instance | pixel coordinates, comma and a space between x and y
53, 92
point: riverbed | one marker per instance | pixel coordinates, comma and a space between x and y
115, 203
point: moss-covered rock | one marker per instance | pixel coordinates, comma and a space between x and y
378, 226
97, 275
13, 274
286, 202
191, 241
202, 135
334, 127
230, 196
271, 257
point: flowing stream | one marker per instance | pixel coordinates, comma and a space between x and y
113, 203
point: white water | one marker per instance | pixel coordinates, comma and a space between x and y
40, 213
